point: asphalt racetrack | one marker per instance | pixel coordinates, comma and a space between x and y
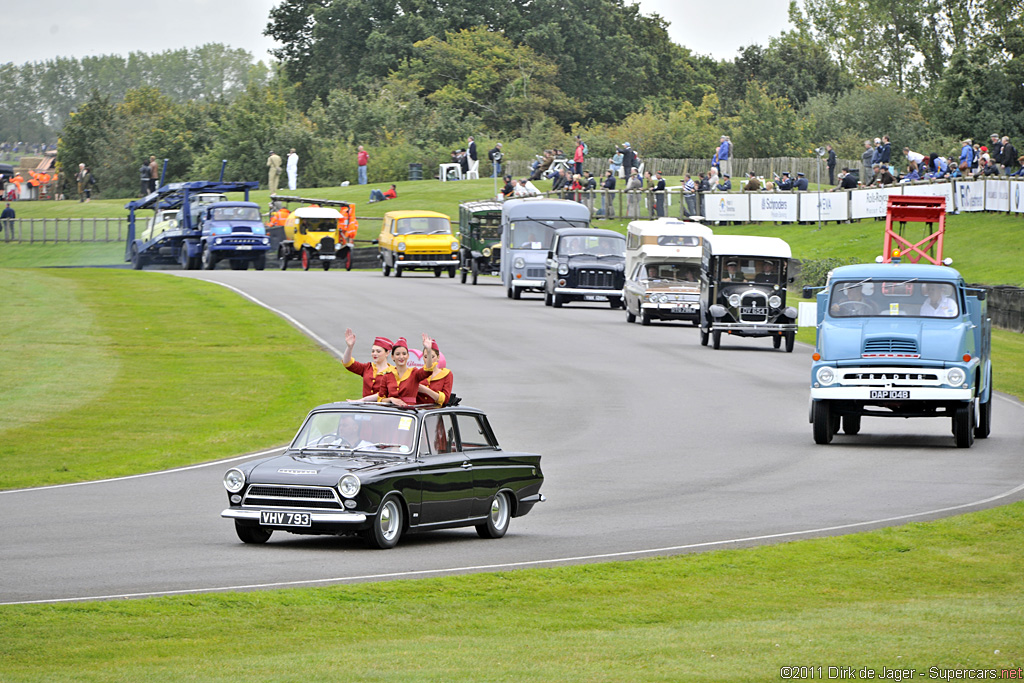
651, 444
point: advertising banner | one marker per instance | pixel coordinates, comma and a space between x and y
933, 190
1017, 196
773, 207
970, 195
871, 203
997, 195
727, 207
825, 206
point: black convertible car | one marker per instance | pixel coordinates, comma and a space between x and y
381, 471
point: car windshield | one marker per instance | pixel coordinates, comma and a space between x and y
423, 225
670, 272
531, 235
750, 269
678, 241
348, 430
236, 213
320, 224
488, 232
885, 298
589, 245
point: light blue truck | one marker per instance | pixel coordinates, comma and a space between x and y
901, 340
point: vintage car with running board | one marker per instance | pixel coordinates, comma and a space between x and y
382, 471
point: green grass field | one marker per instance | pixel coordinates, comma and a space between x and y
90, 351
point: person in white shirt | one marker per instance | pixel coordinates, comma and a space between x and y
939, 303
916, 157
293, 169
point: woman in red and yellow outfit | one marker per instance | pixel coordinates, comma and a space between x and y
438, 387
408, 378
379, 378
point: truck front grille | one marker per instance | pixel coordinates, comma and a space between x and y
891, 347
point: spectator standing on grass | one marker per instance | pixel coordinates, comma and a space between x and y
1008, 158
995, 147
725, 155
712, 179
831, 163
633, 187
87, 183
659, 195
144, 179
474, 163
80, 178
7, 218
578, 155
362, 159
628, 160
494, 156
866, 158
966, 153
293, 169
615, 163
690, 196
274, 172
886, 151
608, 201
154, 174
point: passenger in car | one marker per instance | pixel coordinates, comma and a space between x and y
407, 390
939, 304
437, 387
379, 377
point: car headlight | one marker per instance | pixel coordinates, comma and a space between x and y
455, 246
955, 376
663, 298
774, 301
519, 262
826, 375
486, 252
234, 480
266, 240
563, 268
218, 241
349, 485
734, 300
401, 246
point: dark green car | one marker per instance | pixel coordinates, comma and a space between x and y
480, 238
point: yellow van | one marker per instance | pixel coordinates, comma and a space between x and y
417, 240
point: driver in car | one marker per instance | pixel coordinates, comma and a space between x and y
854, 304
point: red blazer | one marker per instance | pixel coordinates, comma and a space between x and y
383, 384
409, 386
441, 382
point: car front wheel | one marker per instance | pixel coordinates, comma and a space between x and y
387, 525
252, 534
498, 519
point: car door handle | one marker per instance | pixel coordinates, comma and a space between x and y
467, 465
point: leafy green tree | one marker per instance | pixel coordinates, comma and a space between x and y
94, 136
865, 113
769, 126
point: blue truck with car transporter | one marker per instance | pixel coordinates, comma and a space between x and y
206, 228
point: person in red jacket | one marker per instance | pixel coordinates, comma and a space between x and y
437, 387
379, 377
408, 378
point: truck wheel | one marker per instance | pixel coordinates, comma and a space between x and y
183, 258
305, 259
851, 424
284, 261
136, 258
348, 260
451, 272
517, 293
776, 340
963, 425
822, 418
790, 341
462, 278
716, 340
984, 418
260, 262
615, 302
398, 271
209, 260
327, 265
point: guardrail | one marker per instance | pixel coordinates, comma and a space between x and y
64, 230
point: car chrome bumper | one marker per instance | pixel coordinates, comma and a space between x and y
522, 282
863, 393
755, 327
314, 517
668, 306
580, 291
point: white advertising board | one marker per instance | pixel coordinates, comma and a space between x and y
933, 190
871, 203
825, 206
997, 195
727, 207
773, 207
970, 195
1017, 196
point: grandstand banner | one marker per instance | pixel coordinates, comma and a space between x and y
933, 190
774, 207
1017, 196
871, 203
825, 206
997, 195
727, 207
970, 195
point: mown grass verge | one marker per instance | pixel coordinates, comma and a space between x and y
944, 594
112, 372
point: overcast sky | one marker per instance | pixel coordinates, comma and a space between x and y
43, 29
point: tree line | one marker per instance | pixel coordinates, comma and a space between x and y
412, 79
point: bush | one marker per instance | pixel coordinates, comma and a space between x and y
814, 272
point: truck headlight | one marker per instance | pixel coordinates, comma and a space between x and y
401, 246
825, 375
774, 301
519, 262
563, 268
734, 300
266, 240
349, 485
218, 241
234, 480
955, 376
455, 246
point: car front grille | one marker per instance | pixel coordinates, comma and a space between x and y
892, 346
597, 278
427, 257
754, 300
327, 245
264, 496
535, 273
235, 240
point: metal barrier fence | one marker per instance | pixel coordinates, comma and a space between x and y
765, 167
64, 230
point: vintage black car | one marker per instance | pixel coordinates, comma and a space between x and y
381, 471
585, 264
746, 295
480, 238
